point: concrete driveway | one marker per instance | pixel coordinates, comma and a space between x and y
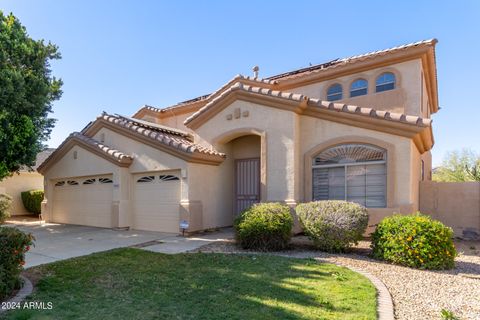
60, 241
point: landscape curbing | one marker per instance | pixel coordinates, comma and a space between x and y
385, 309
24, 292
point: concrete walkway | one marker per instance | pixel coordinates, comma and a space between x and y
60, 241
178, 244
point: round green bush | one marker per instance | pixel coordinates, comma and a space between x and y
5, 203
415, 241
32, 201
333, 225
264, 227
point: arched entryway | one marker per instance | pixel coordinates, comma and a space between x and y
246, 154
244, 170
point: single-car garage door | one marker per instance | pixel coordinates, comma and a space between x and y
84, 201
156, 202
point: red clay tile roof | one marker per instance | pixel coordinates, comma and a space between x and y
169, 137
113, 154
272, 80
237, 78
340, 62
296, 97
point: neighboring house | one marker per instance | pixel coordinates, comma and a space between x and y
357, 129
26, 179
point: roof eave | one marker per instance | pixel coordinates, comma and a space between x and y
309, 107
359, 65
72, 141
194, 156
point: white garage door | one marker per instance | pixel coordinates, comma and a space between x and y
156, 202
83, 201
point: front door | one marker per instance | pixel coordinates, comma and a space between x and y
247, 183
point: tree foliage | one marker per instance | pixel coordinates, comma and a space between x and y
459, 166
27, 91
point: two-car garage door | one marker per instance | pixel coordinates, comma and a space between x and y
84, 201
88, 201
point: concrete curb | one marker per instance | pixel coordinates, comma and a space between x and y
25, 291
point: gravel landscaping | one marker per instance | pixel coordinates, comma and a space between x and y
417, 294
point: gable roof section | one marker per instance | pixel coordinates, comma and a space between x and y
170, 140
422, 49
196, 103
413, 127
115, 156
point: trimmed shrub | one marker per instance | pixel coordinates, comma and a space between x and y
264, 227
333, 225
415, 241
13, 245
5, 203
32, 201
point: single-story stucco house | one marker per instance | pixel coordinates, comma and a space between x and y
357, 129
24, 180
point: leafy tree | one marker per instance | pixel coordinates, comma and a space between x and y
27, 90
459, 166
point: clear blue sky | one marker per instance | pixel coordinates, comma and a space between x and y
119, 55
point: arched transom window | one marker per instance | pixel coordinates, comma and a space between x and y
352, 172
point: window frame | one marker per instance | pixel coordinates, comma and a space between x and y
394, 82
363, 88
345, 167
336, 93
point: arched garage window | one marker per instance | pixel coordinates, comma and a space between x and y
352, 172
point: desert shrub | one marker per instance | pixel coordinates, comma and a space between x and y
415, 241
333, 225
32, 201
5, 204
13, 245
264, 227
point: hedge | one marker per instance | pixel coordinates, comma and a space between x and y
32, 201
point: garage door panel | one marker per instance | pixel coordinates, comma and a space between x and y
84, 204
156, 203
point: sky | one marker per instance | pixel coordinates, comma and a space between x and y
120, 55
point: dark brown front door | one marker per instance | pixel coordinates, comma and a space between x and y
247, 183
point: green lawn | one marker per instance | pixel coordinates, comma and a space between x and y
135, 284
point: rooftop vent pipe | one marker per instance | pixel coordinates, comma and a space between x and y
255, 71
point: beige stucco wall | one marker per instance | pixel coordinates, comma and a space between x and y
457, 204
287, 144
406, 98
278, 127
316, 131
86, 164
18, 183
146, 158
246, 147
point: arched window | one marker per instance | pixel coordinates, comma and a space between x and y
352, 172
386, 81
359, 87
334, 92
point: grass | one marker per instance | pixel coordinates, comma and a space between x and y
135, 284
